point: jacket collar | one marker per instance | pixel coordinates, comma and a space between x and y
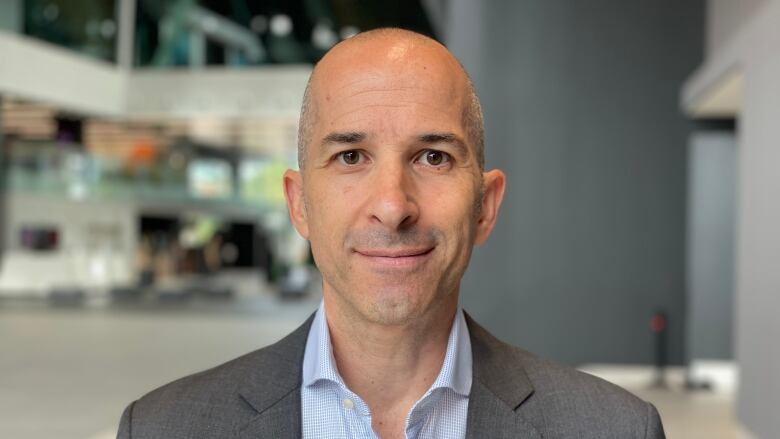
272, 387
499, 388
500, 385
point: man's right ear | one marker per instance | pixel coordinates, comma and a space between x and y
293, 193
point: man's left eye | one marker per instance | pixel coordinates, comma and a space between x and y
432, 157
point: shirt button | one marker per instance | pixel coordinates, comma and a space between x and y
348, 404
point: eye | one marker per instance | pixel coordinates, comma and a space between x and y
349, 158
431, 157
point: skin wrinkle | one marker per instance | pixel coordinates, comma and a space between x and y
351, 84
381, 90
364, 107
399, 104
450, 94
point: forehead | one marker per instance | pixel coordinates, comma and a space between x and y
388, 80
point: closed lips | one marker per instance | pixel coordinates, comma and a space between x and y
394, 253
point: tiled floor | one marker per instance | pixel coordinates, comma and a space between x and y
68, 373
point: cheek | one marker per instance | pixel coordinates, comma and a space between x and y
451, 208
330, 210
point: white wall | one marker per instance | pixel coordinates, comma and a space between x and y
36, 70
754, 50
252, 92
758, 254
725, 18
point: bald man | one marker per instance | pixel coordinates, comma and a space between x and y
392, 195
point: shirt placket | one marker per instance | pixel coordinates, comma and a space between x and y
356, 415
420, 413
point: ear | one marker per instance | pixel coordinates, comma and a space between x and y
494, 184
293, 193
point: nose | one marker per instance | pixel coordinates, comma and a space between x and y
392, 202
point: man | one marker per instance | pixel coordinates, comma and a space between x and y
392, 196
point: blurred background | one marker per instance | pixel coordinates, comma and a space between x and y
144, 236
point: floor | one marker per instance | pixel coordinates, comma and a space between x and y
69, 372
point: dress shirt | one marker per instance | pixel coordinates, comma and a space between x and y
331, 410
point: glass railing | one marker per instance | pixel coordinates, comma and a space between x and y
154, 219
253, 187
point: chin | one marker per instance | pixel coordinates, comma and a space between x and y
391, 313
394, 307
386, 303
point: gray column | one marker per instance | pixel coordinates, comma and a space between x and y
712, 162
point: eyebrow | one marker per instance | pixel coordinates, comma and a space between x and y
350, 137
449, 138
355, 137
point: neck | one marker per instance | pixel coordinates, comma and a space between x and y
389, 366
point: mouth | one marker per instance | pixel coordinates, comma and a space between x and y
395, 257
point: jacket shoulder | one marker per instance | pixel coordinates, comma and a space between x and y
574, 403
212, 403
563, 402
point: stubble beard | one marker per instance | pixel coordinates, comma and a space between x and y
391, 305
391, 309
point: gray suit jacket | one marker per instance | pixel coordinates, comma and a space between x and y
514, 394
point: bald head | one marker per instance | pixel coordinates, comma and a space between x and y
389, 50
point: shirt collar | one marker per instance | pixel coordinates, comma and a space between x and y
318, 361
455, 374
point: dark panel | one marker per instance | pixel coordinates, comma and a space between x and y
581, 109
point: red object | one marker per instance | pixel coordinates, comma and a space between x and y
658, 323
143, 153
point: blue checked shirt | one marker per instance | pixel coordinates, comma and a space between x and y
331, 410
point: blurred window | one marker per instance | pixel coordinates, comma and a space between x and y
255, 32
86, 26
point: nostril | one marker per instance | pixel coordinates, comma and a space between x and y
408, 221
395, 213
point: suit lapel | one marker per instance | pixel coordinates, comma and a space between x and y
272, 388
489, 416
499, 388
282, 420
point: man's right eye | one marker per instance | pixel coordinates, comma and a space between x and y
349, 158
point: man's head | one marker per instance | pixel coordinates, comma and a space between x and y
472, 110
391, 191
